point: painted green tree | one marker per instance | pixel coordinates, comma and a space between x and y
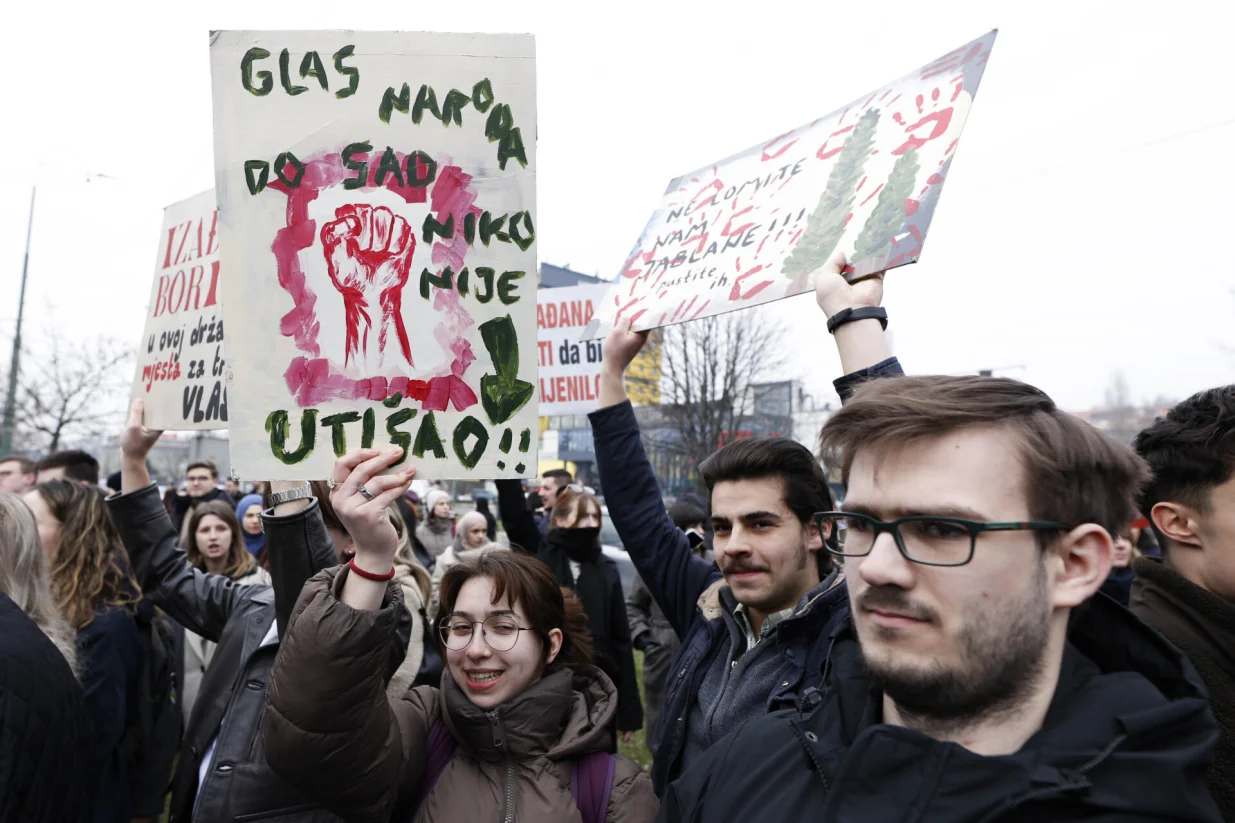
886, 220
826, 223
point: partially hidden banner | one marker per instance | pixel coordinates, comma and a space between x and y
180, 358
756, 227
377, 224
569, 374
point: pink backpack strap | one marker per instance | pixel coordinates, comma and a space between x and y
591, 783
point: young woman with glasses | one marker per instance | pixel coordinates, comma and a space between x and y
518, 729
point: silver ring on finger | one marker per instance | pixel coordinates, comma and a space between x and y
368, 495
330, 483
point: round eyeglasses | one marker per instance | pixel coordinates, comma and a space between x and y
501, 632
924, 539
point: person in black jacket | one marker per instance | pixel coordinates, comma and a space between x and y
92, 586
975, 679
755, 631
202, 485
47, 770
571, 549
222, 773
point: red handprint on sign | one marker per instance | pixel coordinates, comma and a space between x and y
369, 252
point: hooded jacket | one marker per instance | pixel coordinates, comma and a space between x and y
1127, 737
332, 731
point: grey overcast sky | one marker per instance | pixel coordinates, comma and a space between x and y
1085, 227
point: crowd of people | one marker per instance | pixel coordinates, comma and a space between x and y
1011, 616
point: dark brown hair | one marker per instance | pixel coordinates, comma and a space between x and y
77, 465
1074, 474
805, 486
523, 580
203, 464
1190, 452
239, 561
90, 567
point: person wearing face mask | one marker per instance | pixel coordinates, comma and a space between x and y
571, 550
436, 533
517, 729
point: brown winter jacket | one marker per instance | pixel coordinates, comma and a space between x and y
332, 731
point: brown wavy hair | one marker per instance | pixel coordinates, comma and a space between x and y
89, 567
239, 561
524, 580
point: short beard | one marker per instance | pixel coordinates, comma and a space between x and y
1002, 660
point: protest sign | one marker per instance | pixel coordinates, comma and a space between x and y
180, 359
377, 228
569, 367
757, 227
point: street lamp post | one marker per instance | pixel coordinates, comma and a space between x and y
10, 399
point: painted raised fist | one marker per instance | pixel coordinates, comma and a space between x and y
369, 254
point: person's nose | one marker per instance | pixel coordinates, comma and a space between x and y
478, 648
885, 565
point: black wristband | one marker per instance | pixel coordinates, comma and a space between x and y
850, 315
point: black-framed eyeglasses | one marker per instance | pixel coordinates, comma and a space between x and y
501, 632
924, 539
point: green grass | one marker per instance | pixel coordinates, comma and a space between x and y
637, 748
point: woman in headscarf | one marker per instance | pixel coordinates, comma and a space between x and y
249, 513
436, 532
471, 535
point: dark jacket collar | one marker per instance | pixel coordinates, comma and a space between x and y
1127, 704
564, 714
1192, 617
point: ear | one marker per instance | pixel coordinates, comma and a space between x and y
555, 645
1177, 522
1082, 563
814, 539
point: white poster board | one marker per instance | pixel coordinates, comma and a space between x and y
180, 359
756, 227
377, 222
569, 376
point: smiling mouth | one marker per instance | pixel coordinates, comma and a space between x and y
483, 678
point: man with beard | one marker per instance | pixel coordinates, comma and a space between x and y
976, 679
755, 633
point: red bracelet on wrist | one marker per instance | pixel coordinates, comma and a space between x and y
380, 578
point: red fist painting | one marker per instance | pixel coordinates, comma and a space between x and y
369, 254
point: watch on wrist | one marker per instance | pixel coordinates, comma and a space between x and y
302, 493
851, 315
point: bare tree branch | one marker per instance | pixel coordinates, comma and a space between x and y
709, 369
72, 390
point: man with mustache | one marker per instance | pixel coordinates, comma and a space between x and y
755, 633
977, 678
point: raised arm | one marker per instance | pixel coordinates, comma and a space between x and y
198, 601
331, 730
659, 549
862, 345
517, 521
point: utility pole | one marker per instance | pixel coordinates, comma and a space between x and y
10, 399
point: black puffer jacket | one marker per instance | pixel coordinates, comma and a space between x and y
239, 784
1127, 737
47, 765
